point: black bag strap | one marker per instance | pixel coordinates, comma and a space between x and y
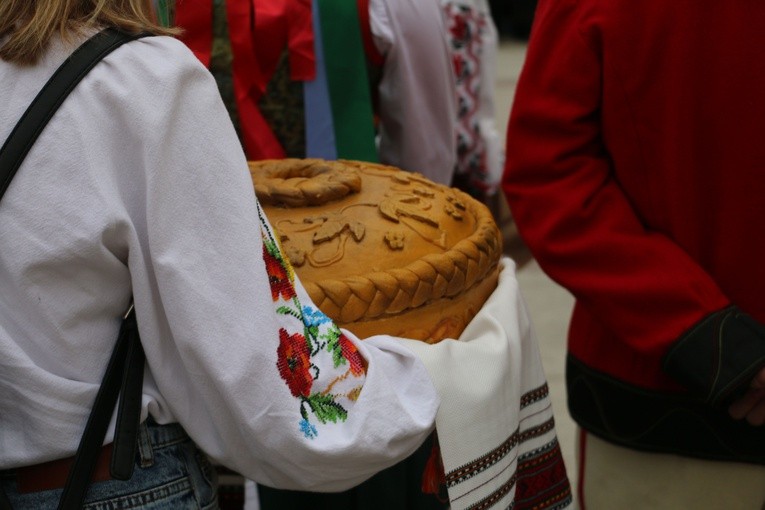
124, 373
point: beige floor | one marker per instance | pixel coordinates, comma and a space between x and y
549, 304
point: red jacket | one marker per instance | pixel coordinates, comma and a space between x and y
636, 175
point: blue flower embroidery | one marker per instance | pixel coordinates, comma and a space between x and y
308, 430
313, 317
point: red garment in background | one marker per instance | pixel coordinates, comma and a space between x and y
636, 174
259, 30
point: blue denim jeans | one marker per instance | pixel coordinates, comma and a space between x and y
171, 473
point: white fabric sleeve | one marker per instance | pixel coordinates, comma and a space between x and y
487, 113
261, 380
417, 93
495, 158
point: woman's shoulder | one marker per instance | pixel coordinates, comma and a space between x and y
157, 56
147, 77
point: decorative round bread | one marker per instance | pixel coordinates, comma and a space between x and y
381, 250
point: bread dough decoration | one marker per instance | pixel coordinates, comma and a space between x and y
381, 250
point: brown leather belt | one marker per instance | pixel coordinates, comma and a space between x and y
52, 475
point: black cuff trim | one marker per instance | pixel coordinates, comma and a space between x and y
717, 358
658, 422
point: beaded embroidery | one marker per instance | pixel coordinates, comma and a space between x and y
320, 365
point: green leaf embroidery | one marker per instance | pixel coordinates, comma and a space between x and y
326, 409
333, 345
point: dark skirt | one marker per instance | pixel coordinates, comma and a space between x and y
398, 487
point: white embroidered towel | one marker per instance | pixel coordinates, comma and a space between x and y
495, 424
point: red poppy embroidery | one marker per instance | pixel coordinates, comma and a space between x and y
321, 368
278, 276
294, 362
352, 354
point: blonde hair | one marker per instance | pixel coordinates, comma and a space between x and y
30, 24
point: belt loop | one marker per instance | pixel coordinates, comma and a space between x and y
144, 446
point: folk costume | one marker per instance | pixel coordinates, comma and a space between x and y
138, 185
634, 173
332, 79
473, 43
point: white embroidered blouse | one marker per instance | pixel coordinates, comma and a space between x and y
417, 92
139, 186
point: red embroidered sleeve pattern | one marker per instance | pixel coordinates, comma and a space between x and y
321, 367
466, 27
